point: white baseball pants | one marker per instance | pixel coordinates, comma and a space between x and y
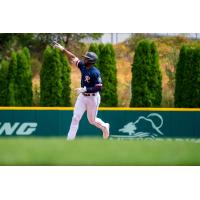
89, 104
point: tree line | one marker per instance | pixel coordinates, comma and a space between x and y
37, 42
16, 78
146, 85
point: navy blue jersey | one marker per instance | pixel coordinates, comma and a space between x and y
90, 78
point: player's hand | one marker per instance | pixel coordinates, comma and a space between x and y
81, 90
58, 46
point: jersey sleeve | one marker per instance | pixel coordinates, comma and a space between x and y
98, 80
79, 63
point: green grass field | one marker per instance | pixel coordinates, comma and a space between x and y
98, 152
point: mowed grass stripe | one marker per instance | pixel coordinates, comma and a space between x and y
97, 152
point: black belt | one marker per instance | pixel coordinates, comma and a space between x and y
89, 94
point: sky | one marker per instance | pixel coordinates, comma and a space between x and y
120, 37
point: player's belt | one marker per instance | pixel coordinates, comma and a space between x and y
89, 94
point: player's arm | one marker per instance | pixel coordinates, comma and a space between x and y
72, 58
69, 54
96, 88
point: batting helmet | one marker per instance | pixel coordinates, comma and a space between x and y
91, 56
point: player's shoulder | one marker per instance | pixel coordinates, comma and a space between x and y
95, 70
81, 63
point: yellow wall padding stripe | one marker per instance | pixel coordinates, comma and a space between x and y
102, 108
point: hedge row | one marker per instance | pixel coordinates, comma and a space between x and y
16, 77
16, 80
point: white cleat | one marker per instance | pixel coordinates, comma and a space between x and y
106, 132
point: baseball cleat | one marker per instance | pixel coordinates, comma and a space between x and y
106, 132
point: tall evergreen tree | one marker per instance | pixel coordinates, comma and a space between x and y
3, 82
187, 92
146, 76
28, 56
180, 75
107, 67
50, 78
195, 80
24, 79
12, 86
65, 80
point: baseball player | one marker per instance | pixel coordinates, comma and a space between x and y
88, 94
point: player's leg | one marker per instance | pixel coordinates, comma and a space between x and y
79, 110
92, 110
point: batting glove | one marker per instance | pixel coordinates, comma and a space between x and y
57, 45
81, 90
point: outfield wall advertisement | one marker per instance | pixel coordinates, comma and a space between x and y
124, 122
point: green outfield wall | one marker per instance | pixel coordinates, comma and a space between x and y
124, 122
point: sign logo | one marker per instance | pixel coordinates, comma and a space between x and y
143, 127
17, 128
